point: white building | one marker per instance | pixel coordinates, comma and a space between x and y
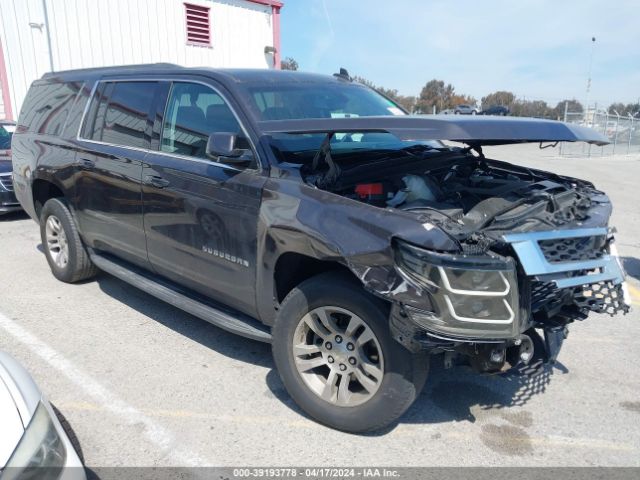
38, 36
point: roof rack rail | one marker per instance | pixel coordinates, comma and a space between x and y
148, 66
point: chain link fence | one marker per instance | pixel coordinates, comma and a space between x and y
622, 132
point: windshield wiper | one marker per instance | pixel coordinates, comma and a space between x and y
420, 149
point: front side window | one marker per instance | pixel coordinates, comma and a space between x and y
119, 113
194, 111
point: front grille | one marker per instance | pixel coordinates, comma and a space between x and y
544, 295
568, 258
602, 297
572, 272
7, 182
573, 249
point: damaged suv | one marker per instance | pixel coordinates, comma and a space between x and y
312, 212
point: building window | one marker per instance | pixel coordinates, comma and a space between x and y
198, 27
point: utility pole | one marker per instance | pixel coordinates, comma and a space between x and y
593, 47
566, 111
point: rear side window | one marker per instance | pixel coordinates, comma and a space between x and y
119, 114
46, 107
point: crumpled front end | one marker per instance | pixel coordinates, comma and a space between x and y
488, 307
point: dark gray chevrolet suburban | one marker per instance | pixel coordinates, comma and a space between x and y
312, 212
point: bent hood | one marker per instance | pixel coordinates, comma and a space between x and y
472, 130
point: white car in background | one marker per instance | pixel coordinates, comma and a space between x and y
33, 444
466, 110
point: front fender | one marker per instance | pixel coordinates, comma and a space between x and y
297, 218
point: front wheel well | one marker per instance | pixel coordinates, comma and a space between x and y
294, 268
42, 191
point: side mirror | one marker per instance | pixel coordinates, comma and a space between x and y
229, 148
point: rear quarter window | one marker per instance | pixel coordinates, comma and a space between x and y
47, 106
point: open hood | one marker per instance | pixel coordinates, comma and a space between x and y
472, 130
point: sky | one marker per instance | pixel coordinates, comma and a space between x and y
538, 49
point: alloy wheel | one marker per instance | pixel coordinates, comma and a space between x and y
338, 356
57, 244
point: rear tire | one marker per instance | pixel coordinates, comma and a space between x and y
337, 359
67, 256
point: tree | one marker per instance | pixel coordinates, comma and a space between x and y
632, 109
617, 107
624, 110
573, 106
434, 94
406, 102
289, 63
532, 108
500, 97
457, 99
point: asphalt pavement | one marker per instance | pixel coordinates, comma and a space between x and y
144, 384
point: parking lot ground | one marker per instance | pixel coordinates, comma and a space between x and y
144, 384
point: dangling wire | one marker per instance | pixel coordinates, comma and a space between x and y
334, 171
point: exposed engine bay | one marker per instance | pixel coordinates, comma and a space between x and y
481, 203
466, 195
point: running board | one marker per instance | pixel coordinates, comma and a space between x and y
233, 322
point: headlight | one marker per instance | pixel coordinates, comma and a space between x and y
474, 296
40, 454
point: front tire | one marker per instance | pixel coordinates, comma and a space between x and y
337, 359
65, 252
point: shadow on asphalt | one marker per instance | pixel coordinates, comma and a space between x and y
71, 434
210, 336
13, 216
631, 266
457, 394
461, 394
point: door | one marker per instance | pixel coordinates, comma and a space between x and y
201, 216
115, 139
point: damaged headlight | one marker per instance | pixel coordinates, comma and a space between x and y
474, 296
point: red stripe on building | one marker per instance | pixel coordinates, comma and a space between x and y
4, 83
275, 11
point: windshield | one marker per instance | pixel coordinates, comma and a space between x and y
291, 101
301, 148
6, 131
294, 101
